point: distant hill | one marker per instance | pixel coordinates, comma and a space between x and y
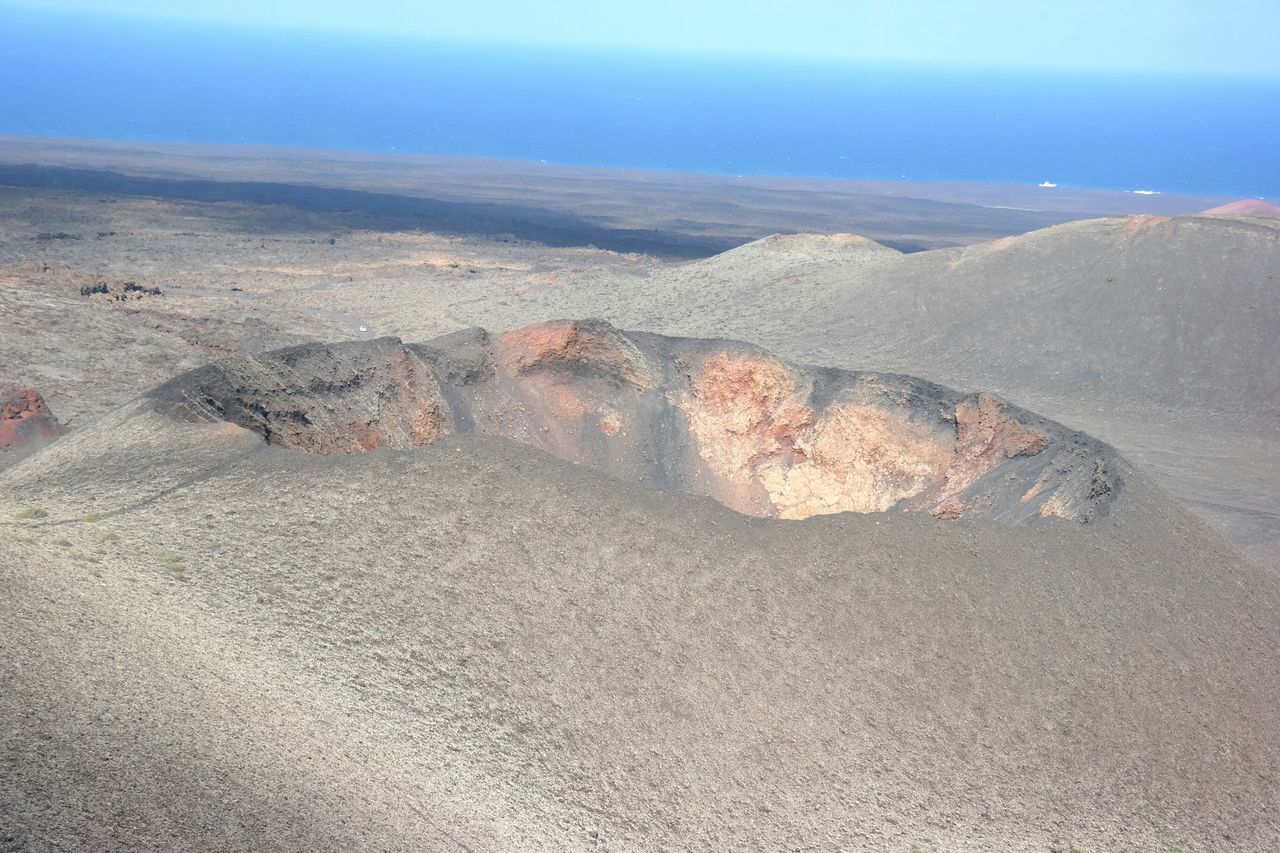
1160, 335
1144, 309
1246, 207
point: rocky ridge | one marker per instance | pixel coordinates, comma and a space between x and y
718, 418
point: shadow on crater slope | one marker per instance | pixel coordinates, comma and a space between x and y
717, 418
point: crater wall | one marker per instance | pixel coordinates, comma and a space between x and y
717, 418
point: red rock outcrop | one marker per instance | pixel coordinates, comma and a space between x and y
25, 418
723, 419
592, 348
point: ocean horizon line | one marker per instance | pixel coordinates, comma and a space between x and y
304, 150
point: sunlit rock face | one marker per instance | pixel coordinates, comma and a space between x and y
717, 418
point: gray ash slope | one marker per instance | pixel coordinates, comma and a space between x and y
1140, 310
1179, 384
223, 643
1160, 336
717, 418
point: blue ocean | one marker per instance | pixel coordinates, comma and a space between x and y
109, 78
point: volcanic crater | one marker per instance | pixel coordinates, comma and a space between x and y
717, 418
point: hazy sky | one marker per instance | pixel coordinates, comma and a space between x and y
1229, 36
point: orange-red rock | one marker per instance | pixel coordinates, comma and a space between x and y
25, 418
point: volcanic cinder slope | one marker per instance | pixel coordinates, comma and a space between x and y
1142, 310
430, 632
225, 642
1157, 336
1161, 336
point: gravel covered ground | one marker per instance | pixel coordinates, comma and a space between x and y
222, 645
212, 644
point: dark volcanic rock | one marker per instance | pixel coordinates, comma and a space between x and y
716, 418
